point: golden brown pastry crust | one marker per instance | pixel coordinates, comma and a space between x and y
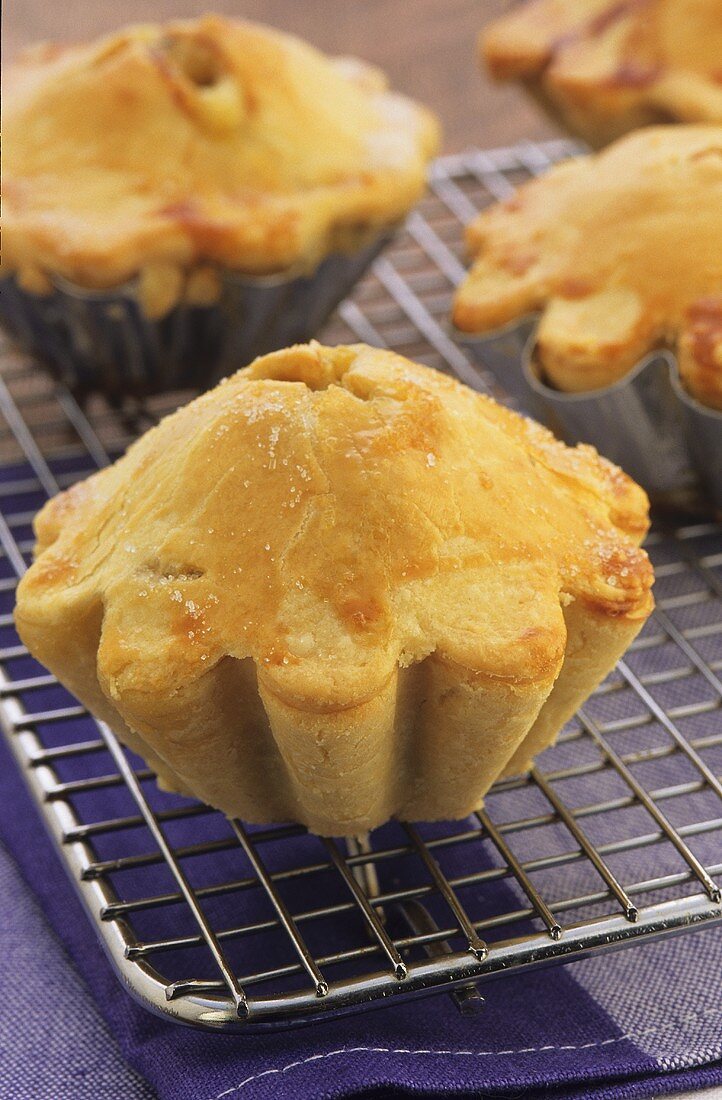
622, 251
337, 588
209, 140
605, 67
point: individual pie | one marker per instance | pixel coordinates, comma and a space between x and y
187, 165
212, 140
338, 588
620, 252
604, 67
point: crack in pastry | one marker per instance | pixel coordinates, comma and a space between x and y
620, 251
167, 149
604, 67
389, 590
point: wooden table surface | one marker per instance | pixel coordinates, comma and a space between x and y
428, 48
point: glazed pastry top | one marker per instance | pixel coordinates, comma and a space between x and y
611, 66
622, 253
209, 139
334, 513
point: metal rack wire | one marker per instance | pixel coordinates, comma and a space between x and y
614, 837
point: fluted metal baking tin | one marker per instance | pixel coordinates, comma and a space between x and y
646, 422
102, 340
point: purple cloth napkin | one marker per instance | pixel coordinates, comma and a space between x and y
637, 1023
54, 1044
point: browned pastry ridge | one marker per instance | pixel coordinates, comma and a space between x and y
604, 67
160, 148
338, 588
622, 253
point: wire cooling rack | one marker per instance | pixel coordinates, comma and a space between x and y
615, 836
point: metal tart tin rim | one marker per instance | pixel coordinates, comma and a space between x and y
523, 381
